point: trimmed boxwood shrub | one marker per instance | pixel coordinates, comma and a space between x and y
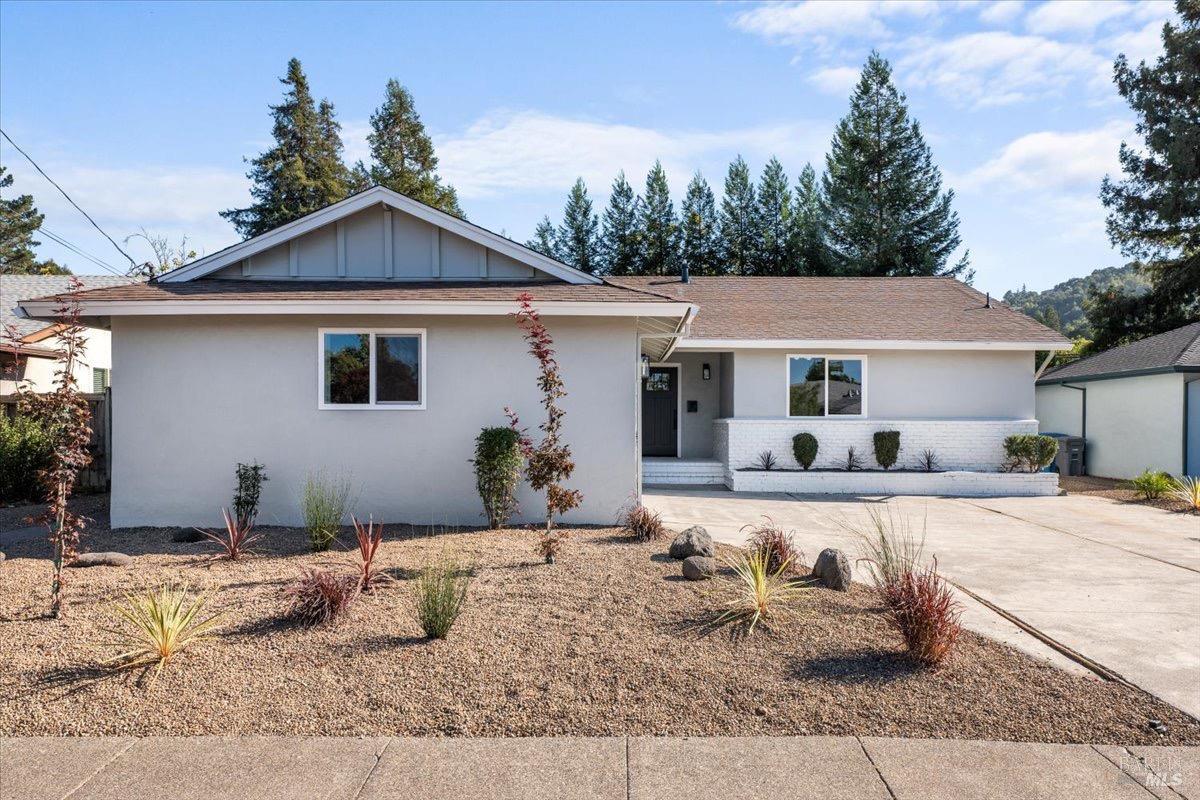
1029, 452
887, 448
804, 447
25, 448
498, 463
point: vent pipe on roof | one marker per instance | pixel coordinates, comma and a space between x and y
683, 272
988, 304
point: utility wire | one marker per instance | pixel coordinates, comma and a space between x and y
132, 263
79, 251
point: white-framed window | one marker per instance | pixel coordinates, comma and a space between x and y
822, 385
371, 368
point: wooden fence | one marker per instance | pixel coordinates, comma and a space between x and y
97, 476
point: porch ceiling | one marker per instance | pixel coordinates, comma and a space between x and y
658, 336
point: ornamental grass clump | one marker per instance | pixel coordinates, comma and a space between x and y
922, 609
889, 547
777, 547
641, 523
1187, 491
320, 596
157, 626
440, 594
369, 538
1152, 485
238, 538
758, 593
498, 463
325, 502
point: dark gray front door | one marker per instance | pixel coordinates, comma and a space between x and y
660, 412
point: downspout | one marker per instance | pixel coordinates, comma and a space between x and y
1082, 419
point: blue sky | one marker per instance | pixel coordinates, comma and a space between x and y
143, 111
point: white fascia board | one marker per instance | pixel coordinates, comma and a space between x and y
861, 344
103, 308
359, 202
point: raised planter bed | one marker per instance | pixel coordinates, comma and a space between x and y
954, 483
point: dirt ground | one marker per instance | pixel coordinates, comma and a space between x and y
1114, 490
609, 641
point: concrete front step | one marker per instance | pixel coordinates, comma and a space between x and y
665, 471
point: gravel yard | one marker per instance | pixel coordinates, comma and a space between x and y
608, 641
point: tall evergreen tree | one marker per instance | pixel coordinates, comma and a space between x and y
1154, 212
739, 220
885, 210
297, 175
19, 218
775, 236
544, 239
700, 243
808, 242
402, 153
578, 237
658, 227
619, 239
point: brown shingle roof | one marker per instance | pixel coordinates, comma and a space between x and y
1176, 350
902, 309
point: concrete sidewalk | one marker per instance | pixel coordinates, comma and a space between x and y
248, 768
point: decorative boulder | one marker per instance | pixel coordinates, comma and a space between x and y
102, 560
695, 541
698, 568
187, 535
833, 569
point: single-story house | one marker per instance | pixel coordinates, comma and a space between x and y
28, 358
1137, 406
375, 337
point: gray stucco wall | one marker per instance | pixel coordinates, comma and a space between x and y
697, 433
904, 384
198, 394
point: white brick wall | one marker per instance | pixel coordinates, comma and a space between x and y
959, 444
954, 484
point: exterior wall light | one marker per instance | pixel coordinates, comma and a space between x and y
706, 372
645, 366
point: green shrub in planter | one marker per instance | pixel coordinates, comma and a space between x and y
887, 448
498, 464
1030, 452
25, 448
804, 447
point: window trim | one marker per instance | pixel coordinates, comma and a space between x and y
371, 405
787, 384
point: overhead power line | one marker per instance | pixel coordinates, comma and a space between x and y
63, 192
79, 251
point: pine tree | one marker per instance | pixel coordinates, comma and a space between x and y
19, 218
402, 153
698, 229
619, 240
739, 221
775, 235
1154, 211
808, 243
544, 239
297, 175
885, 210
578, 238
658, 227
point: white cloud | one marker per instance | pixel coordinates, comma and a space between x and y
525, 151
821, 22
1079, 16
1002, 12
997, 68
1144, 44
835, 80
1055, 161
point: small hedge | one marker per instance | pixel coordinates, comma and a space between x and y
1030, 452
498, 463
25, 448
804, 447
887, 448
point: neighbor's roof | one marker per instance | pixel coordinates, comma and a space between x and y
1173, 351
921, 309
15, 288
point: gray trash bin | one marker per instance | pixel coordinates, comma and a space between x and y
1069, 458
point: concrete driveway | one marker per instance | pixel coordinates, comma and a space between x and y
1118, 583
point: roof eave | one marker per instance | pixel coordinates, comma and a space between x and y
1051, 379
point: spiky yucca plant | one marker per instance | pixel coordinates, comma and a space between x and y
158, 625
759, 592
1187, 491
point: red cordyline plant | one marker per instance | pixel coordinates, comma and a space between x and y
238, 537
65, 413
369, 538
549, 462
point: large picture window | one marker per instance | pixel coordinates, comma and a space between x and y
372, 369
826, 386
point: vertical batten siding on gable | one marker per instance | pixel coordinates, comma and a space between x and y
388, 263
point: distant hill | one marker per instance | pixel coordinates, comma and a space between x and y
1067, 298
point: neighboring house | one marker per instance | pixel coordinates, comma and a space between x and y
1138, 406
30, 360
374, 338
